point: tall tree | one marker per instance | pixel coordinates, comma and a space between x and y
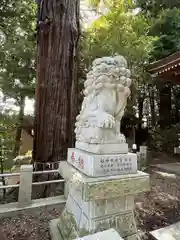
56, 89
17, 70
166, 29
165, 21
131, 40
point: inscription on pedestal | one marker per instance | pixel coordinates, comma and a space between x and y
102, 165
116, 164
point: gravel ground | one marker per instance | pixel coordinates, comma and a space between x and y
161, 206
30, 226
158, 208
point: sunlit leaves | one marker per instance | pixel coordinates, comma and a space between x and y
101, 5
119, 31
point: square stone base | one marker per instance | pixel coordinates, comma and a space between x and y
96, 165
98, 204
56, 235
68, 225
171, 232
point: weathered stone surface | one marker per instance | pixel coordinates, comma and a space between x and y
112, 148
107, 89
105, 235
106, 187
76, 210
54, 231
103, 207
66, 171
25, 188
87, 189
74, 222
137, 236
123, 223
102, 165
65, 223
171, 232
104, 197
98, 204
115, 186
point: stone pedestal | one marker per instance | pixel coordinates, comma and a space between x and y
103, 177
101, 203
104, 180
98, 165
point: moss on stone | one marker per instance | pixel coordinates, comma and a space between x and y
68, 228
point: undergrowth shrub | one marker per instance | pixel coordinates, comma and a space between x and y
164, 140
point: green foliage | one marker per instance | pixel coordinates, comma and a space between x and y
164, 140
17, 63
152, 8
123, 4
167, 30
7, 136
121, 32
17, 55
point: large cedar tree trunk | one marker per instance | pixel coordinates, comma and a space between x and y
57, 84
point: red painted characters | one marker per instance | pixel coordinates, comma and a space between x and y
73, 157
81, 162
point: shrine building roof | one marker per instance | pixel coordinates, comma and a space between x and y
167, 68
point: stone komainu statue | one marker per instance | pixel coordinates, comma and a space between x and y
106, 93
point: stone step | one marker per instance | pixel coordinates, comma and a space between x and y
171, 232
105, 235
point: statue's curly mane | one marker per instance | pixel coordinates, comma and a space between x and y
106, 92
106, 72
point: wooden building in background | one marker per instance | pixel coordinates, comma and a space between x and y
166, 73
167, 69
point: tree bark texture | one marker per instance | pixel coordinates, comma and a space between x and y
165, 106
152, 105
57, 84
140, 111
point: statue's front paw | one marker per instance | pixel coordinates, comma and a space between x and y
107, 121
